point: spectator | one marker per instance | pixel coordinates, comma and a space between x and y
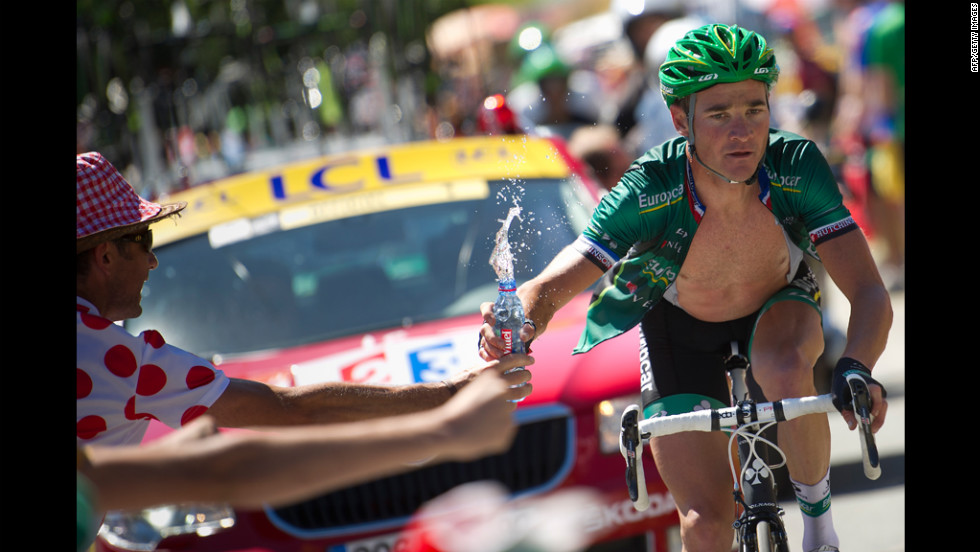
653, 122
197, 464
124, 381
640, 20
885, 104
542, 94
602, 150
868, 127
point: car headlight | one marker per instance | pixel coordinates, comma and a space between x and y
144, 529
609, 415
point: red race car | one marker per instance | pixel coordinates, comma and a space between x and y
370, 267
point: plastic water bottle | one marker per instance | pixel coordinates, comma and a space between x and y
507, 309
509, 316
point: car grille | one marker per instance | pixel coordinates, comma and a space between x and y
538, 458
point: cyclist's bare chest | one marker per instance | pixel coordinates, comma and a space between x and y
736, 261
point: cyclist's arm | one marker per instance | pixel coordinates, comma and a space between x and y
849, 263
569, 274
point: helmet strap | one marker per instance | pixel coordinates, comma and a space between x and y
690, 143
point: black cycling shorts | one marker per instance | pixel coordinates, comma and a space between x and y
682, 358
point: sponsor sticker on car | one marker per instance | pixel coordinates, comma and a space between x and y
394, 360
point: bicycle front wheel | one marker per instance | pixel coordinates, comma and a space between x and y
770, 536
763, 542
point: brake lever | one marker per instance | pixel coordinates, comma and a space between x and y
861, 401
631, 447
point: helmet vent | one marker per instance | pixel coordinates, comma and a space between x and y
726, 40
746, 58
715, 57
688, 72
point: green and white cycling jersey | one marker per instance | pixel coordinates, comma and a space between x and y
641, 231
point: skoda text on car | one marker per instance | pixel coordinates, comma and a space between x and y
370, 267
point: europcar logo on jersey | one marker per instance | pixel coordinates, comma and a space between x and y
785, 181
648, 202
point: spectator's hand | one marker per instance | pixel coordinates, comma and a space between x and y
478, 419
499, 366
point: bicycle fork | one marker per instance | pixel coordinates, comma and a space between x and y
755, 486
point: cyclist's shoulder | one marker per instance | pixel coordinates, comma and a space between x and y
663, 161
791, 154
647, 197
785, 143
658, 169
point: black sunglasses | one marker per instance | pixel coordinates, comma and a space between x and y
145, 238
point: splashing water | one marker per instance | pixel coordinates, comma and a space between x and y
502, 259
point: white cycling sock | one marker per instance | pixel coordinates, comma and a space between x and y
818, 523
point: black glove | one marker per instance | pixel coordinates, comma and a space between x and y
839, 387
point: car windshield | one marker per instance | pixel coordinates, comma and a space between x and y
350, 275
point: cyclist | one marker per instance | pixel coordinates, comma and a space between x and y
702, 242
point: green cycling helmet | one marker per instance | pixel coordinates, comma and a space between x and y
714, 54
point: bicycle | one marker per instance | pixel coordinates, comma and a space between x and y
759, 527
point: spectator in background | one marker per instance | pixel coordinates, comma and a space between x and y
541, 93
654, 125
884, 95
640, 19
603, 151
805, 99
868, 130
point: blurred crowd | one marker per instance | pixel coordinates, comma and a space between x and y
583, 69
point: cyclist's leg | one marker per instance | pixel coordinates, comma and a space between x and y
785, 346
694, 466
788, 340
682, 370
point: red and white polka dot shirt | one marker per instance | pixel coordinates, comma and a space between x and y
124, 381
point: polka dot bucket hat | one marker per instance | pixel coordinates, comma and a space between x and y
107, 207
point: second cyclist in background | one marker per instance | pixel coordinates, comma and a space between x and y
703, 242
